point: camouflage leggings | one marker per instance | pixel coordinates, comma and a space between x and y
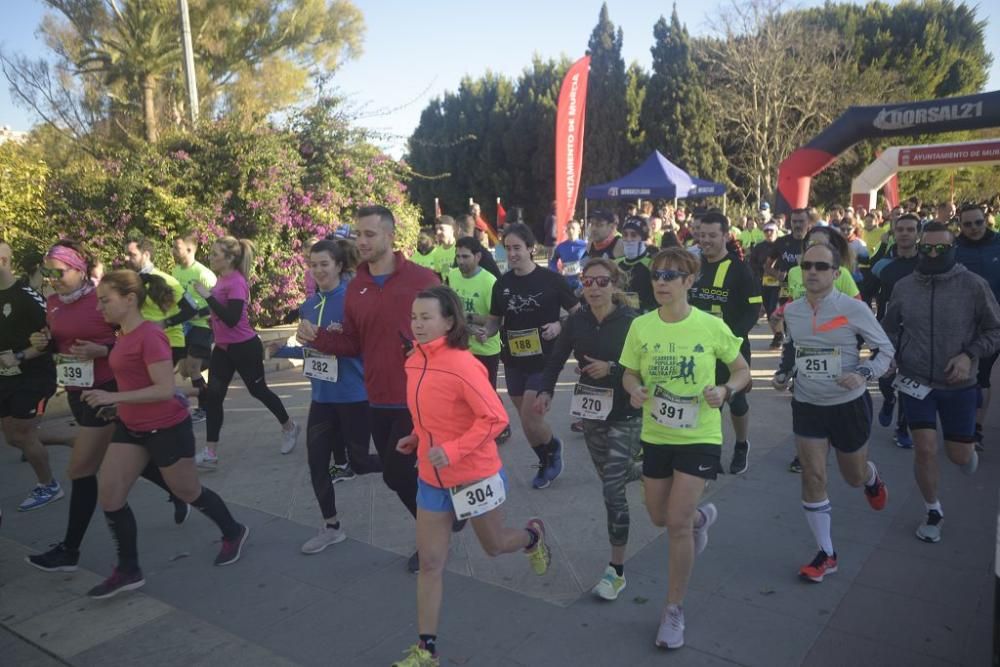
614, 448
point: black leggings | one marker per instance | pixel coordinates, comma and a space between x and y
337, 428
399, 471
247, 359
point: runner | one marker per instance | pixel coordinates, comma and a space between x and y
237, 347
27, 379
725, 288
784, 255
82, 341
444, 252
139, 258
943, 319
978, 248
197, 331
669, 359
886, 272
376, 327
457, 416
635, 265
465, 227
567, 257
831, 404
595, 335
526, 303
425, 255
338, 414
603, 239
154, 425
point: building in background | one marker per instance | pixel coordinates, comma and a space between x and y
7, 134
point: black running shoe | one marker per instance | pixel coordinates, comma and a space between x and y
741, 459
181, 510
795, 465
56, 559
118, 582
232, 549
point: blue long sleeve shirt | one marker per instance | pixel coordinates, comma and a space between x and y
324, 309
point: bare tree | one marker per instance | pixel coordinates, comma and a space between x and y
775, 82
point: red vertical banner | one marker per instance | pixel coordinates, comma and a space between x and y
570, 116
891, 191
501, 214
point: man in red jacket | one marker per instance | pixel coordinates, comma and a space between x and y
376, 327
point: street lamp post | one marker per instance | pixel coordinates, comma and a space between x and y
192, 83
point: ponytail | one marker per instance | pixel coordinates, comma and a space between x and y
239, 252
158, 291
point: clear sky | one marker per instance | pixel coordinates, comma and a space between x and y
414, 51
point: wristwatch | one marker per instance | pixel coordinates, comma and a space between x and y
612, 367
864, 372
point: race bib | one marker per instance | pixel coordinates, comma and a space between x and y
571, 269
818, 363
502, 266
478, 498
770, 281
13, 370
73, 371
318, 366
524, 342
631, 299
592, 402
783, 293
675, 411
910, 387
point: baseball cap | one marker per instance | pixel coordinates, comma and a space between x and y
764, 206
770, 225
636, 224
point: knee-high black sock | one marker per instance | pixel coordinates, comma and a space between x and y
126, 534
211, 505
199, 384
82, 502
153, 474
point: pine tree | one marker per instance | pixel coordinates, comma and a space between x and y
675, 115
606, 149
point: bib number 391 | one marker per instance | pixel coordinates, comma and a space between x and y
674, 411
478, 498
910, 387
73, 371
317, 366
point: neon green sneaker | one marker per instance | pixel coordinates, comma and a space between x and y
417, 656
610, 585
540, 556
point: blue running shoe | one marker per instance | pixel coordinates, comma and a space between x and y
903, 439
40, 496
885, 414
554, 467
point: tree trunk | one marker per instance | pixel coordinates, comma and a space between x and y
149, 108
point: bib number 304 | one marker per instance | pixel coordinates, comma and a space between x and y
478, 498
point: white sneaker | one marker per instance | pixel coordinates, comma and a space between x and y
610, 585
289, 439
701, 534
206, 460
324, 538
671, 632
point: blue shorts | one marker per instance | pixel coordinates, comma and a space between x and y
955, 407
435, 499
519, 381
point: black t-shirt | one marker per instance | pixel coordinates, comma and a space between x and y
892, 273
526, 303
726, 288
788, 251
22, 313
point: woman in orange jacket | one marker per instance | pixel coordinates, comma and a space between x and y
456, 418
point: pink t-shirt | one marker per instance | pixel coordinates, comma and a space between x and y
232, 286
130, 359
80, 320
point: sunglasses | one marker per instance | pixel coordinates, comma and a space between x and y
602, 281
52, 273
927, 248
669, 274
974, 223
819, 266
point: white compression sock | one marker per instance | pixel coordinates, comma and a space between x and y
819, 519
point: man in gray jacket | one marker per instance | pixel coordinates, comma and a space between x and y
942, 319
831, 404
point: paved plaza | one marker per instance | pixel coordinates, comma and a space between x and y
894, 601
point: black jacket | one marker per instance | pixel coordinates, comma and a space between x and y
583, 336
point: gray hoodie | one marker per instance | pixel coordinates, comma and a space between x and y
933, 318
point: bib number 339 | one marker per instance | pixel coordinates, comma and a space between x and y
73, 371
317, 366
478, 498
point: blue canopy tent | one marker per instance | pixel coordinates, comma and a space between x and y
656, 178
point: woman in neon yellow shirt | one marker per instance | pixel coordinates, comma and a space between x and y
670, 358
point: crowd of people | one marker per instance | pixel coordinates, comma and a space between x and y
404, 352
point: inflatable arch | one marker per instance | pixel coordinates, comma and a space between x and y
970, 112
865, 187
